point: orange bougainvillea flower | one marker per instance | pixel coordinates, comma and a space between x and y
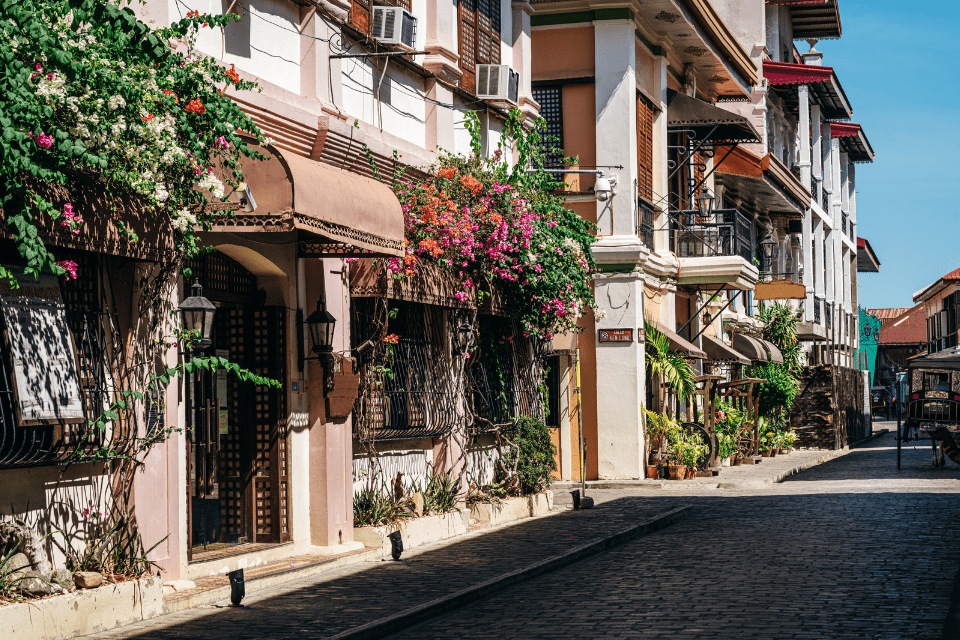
167, 92
233, 75
496, 218
391, 338
447, 173
409, 258
148, 118
195, 106
193, 14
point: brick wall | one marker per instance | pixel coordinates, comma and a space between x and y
828, 411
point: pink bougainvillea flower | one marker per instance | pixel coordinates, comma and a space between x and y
71, 268
221, 143
43, 140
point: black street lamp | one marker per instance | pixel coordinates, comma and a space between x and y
321, 324
197, 312
766, 247
705, 203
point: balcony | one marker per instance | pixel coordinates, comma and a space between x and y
824, 200
813, 331
714, 250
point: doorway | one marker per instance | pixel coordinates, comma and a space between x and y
237, 446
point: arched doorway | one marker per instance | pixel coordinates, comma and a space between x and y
237, 447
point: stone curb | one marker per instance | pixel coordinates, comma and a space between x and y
440, 606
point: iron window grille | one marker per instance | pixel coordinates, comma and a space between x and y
645, 222
817, 304
102, 370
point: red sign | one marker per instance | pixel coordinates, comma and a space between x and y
615, 335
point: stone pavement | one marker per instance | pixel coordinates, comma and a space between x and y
848, 549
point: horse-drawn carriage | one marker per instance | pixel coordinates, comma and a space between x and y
933, 405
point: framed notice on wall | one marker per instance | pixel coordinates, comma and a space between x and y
45, 379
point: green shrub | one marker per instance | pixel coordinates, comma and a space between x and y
536, 455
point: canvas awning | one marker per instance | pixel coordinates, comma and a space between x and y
750, 348
772, 350
344, 212
680, 345
718, 351
710, 123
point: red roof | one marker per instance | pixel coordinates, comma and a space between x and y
887, 314
953, 275
843, 129
867, 260
909, 328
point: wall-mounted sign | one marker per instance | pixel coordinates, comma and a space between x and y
780, 290
615, 335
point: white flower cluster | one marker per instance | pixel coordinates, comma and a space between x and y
52, 88
183, 220
116, 102
212, 184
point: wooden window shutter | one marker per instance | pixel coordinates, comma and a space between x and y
488, 32
645, 115
468, 44
360, 15
479, 38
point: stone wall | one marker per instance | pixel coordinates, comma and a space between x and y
828, 411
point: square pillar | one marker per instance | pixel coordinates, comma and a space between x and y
616, 109
621, 375
660, 155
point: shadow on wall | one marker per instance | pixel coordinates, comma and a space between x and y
62, 505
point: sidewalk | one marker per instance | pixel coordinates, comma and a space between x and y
766, 472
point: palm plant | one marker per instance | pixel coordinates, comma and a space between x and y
670, 369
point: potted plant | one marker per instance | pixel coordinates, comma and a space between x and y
676, 468
693, 450
787, 438
656, 427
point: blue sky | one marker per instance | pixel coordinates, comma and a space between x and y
897, 62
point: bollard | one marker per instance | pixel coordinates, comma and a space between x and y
236, 587
396, 544
575, 494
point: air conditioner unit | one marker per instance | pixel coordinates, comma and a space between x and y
498, 83
394, 25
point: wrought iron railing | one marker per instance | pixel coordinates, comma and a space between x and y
828, 314
825, 200
843, 223
817, 304
645, 222
727, 232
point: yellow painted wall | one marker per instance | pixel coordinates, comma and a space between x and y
562, 53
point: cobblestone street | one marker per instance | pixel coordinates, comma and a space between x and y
851, 548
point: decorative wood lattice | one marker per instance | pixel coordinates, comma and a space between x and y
550, 100
645, 116
479, 27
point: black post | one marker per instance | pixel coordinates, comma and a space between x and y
899, 439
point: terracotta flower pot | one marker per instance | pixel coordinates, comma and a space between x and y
653, 472
785, 452
766, 453
691, 473
676, 471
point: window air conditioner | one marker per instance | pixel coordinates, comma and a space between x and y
498, 83
394, 25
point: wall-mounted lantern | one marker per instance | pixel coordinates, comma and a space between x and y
196, 313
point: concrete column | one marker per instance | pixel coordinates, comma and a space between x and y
620, 378
844, 183
660, 170
816, 141
845, 259
852, 179
804, 125
521, 11
440, 120
442, 41
616, 104
835, 215
819, 244
331, 443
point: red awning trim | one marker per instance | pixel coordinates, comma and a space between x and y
784, 73
843, 129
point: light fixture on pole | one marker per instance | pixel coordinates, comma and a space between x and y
766, 247
196, 313
705, 203
464, 332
